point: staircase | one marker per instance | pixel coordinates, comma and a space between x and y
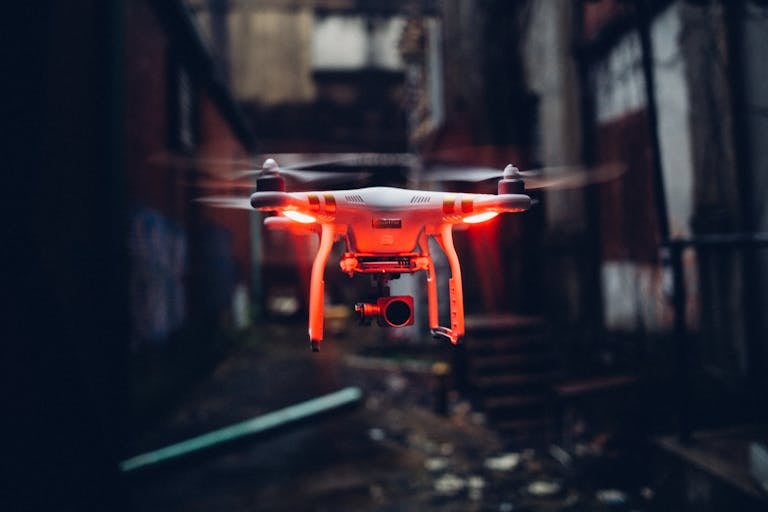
510, 367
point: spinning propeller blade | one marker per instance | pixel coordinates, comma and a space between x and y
296, 166
558, 177
221, 185
233, 203
239, 174
308, 160
298, 175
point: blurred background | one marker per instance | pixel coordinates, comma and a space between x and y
616, 350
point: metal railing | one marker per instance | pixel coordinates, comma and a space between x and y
676, 247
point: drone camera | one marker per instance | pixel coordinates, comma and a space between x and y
394, 311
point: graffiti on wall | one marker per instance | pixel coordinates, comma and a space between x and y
159, 259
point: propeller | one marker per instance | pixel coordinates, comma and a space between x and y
297, 166
232, 203
270, 168
301, 160
558, 177
269, 177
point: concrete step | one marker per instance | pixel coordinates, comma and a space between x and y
516, 380
494, 324
511, 367
515, 401
508, 345
496, 363
524, 426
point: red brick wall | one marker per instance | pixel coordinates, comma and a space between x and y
628, 218
598, 13
146, 123
217, 141
170, 269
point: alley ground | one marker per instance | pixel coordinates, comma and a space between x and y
391, 453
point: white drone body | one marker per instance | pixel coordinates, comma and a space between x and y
386, 232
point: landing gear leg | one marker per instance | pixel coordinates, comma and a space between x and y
317, 286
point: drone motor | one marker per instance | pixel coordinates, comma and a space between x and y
511, 181
270, 180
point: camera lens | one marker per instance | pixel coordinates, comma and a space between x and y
397, 312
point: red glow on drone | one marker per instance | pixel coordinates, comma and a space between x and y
480, 217
299, 217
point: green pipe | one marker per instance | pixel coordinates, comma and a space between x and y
258, 425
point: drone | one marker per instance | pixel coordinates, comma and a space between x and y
386, 232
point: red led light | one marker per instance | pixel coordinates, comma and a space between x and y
299, 217
479, 217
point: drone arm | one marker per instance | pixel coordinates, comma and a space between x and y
317, 286
273, 200
502, 202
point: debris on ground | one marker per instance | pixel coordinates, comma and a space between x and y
543, 488
611, 497
394, 453
505, 462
